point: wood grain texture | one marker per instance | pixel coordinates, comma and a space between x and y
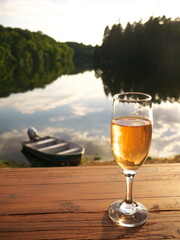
72, 202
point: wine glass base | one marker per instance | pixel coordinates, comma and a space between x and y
128, 215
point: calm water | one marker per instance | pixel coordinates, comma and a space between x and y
76, 108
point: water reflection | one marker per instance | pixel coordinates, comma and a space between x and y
75, 107
166, 132
72, 107
162, 85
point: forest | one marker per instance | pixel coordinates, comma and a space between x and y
32, 59
141, 57
31, 49
83, 56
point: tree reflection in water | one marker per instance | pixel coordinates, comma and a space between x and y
162, 85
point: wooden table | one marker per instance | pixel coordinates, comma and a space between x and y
72, 202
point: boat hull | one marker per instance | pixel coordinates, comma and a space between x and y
56, 151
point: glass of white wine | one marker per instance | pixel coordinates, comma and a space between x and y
131, 130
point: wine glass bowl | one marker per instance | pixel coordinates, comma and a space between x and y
131, 130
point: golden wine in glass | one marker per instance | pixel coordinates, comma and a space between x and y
131, 131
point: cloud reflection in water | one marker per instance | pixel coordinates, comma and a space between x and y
166, 130
75, 107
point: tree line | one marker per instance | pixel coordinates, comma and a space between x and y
142, 45
32, 59
83, 56
142, 56
139, 57
31, 49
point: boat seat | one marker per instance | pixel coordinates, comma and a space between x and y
46, 141
43, 143
69, 151
54, 148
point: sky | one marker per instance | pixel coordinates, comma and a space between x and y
81, 20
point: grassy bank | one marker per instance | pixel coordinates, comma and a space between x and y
11, 164
97, 161
150, 160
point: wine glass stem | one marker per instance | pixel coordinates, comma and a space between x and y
129, 186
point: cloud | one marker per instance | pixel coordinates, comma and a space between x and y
95, 135
77, 110
166, 131
80, 20
63, 91
81, 110
24, 9
160, 111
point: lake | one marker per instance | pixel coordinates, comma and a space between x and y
76, 107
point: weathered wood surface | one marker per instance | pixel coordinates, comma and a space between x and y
72, 202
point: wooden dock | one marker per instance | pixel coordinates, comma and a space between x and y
72, 202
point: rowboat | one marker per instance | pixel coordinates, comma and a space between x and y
53, 149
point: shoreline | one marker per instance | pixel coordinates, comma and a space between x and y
150, 160
97, 161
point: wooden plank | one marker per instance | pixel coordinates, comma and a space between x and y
85, 174
97, 205
87, 226
65, 191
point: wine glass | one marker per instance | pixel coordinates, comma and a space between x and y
131, 130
